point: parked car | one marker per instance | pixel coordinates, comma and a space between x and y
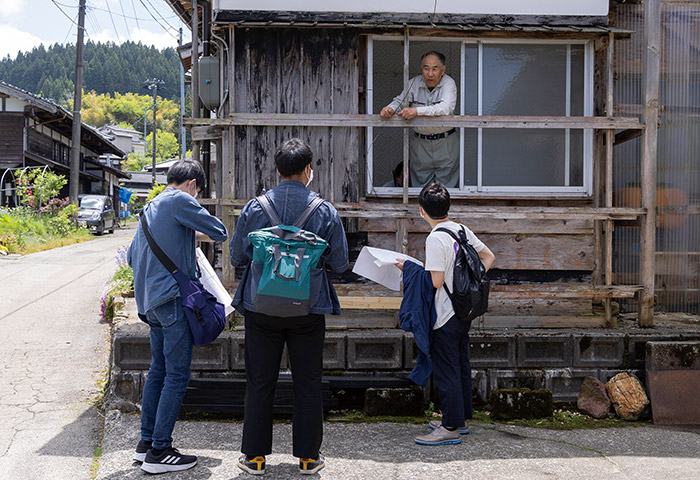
96, 213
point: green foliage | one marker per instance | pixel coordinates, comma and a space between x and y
108, 68
135, 162
155, 191
167, 146
38, 187
121, 284
24, 231
127, 110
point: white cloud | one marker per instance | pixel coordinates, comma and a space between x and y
158, 40
9, 8
13, 40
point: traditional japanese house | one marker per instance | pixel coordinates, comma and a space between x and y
36, 132
557, 174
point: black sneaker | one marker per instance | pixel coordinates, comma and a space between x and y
141, 450
169, 461
309, 466
254, 465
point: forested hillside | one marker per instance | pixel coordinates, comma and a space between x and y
108, 68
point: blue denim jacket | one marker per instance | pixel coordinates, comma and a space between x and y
417, 315
173, 217
289, 199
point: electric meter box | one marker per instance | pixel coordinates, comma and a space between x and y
209, 89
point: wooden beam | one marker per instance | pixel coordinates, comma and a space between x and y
501, 292
206, 132
609, 139
626, 136
456, 121
652, 63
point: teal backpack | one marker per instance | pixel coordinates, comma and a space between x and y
283, 256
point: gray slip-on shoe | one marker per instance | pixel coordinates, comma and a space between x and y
435, 424
439, 436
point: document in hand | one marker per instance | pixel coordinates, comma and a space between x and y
210, 281
379, 265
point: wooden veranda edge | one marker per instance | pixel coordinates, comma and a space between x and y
456, 121
397, 210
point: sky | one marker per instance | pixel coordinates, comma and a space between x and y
25, 24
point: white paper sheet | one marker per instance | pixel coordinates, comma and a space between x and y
379, 265
210, 281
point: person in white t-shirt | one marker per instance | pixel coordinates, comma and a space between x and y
449, 351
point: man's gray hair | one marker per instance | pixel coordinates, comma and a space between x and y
439, 55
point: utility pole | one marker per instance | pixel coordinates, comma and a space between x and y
183, 138
77, 105
153, 85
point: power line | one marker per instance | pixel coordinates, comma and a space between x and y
154, 18
68, 17
121, 5
113, 25
133, 7
161, 15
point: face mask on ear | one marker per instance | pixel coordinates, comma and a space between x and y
420, 212
311, 177
194, 195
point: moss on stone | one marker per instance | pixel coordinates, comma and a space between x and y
515, 403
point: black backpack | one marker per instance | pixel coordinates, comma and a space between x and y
470, 287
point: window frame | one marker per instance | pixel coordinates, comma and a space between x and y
479, 190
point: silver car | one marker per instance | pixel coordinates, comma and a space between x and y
96, 213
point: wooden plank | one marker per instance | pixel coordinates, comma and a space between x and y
652, 61
516, 252
457, 121
362, 319
395, 210
206, 132
370, 303
486, 225
626, 136
344, 155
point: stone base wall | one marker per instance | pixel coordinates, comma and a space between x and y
555, 360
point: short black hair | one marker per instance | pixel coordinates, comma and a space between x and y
293, 157
435, 200
184, 170
439, 55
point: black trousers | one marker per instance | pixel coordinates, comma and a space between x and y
452, 372
265, 337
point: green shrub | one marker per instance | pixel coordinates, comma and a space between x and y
120, 284
155, 191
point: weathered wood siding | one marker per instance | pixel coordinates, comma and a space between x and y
11, 139
289, 70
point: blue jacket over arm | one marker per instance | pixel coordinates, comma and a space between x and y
417, 315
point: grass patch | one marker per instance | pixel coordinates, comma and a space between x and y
77, 237
561, 420
95, 466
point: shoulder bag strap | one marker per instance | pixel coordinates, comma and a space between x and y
452, 234
160, 255
313, 205
269, 210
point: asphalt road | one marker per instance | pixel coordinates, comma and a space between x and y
53, 356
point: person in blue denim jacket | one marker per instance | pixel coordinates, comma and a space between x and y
175, 220
266, 336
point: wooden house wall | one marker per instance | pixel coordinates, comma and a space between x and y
287, 70
11, 139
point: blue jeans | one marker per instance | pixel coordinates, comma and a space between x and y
171, 355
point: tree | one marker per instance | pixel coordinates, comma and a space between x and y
135, 162
166, 145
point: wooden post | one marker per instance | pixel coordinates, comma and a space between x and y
652, 54
401, 224
609, 140
194, 79
228, 148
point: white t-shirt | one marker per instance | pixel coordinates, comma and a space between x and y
440, 250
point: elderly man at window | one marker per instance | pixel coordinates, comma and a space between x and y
434, 151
